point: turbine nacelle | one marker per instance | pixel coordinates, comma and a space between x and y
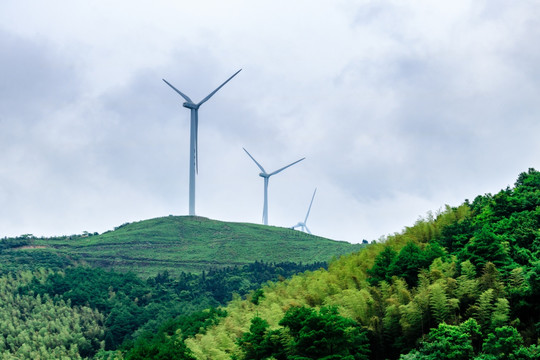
190, 105
264, 175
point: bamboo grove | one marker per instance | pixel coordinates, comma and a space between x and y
460, 284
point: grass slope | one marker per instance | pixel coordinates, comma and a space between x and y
190, 244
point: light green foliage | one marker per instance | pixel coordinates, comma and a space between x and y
467, 290
438, 303
517, 283
355, 304
490, 279
501, 313
40, 328
412, 320
484, 309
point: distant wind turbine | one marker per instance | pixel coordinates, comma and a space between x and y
302, 225
266, 177
193, 152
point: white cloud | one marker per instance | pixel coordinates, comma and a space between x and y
399, 108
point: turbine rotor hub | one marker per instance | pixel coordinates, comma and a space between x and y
190, 105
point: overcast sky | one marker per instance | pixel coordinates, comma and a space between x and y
399, 108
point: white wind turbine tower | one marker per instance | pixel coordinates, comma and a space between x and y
302, 225
193, 153
266, 177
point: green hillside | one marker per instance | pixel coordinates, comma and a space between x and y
176, 244
461, 284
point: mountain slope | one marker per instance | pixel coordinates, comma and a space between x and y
464, 283
184, 243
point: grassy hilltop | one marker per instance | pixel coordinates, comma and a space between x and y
179, 243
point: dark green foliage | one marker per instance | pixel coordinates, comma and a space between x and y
256, 296
192, 324
503, 342
406, 264
324, 334
500, 237
486, 246
93, 287
380, 270
16, 258
456, 235
448, 342
254, 343
162, 347
133, 306
307, 334
168, 343
10, 243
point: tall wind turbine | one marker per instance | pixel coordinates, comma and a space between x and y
266, 177
193, 153
302, 225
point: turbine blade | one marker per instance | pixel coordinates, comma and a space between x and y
283, 168
309, 232
252, 158
215, 91
311, 203
178, 91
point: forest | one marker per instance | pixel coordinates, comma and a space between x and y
461, 283
82, 312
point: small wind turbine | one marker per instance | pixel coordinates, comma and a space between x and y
302, 225
266, 177
193, 153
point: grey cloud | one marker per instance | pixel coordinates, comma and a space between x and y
35, 79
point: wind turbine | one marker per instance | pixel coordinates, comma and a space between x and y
193, 153
266, 177
302, 225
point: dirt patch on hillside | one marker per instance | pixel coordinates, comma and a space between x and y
30, 247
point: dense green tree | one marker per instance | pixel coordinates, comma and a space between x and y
408, 263
324, 334
163, 346
456, 235
380, 269
448, 342
502, 342
485, 246
254, 343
